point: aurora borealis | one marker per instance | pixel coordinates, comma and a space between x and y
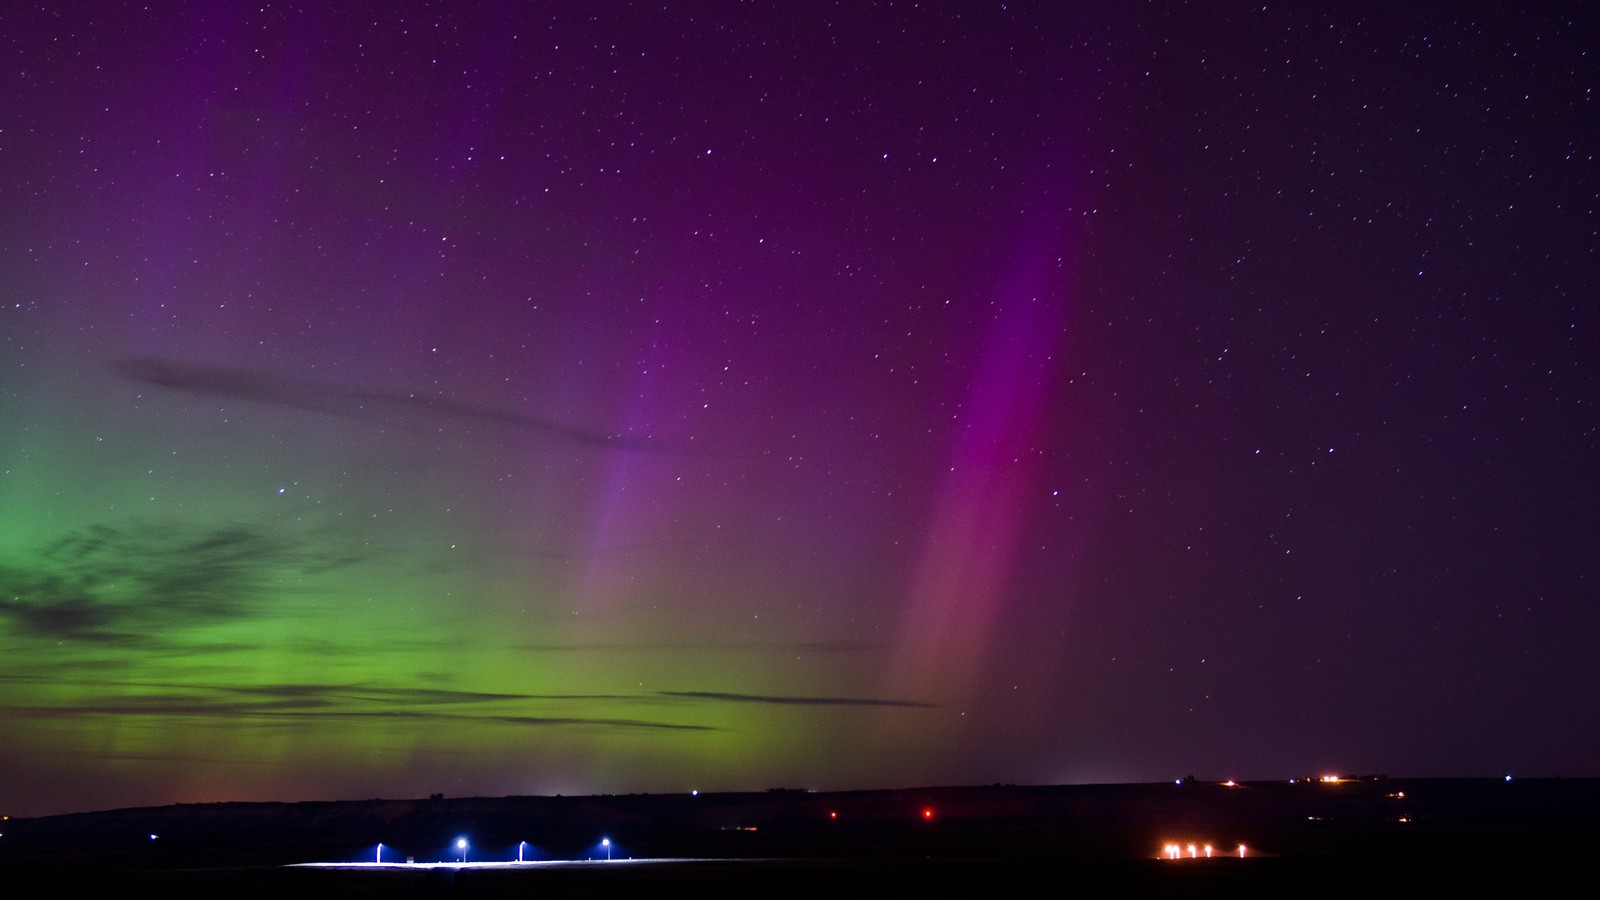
515, 398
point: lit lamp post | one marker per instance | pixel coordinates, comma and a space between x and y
606, 843
520, 845
461, 844
379, 857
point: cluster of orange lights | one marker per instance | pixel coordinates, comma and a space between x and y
1176, 850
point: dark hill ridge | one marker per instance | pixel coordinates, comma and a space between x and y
1388, 817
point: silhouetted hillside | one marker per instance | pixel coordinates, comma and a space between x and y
1532, 828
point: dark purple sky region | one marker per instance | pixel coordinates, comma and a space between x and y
534, 397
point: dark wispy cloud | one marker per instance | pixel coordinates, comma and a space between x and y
136, 585
304, 703
394, 408
546, 720
372, 694
45, 607
322, 694
762, 646
726, 697
302, 712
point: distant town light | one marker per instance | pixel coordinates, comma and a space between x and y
1174, 850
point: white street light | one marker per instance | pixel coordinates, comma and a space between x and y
461, 844
606, 843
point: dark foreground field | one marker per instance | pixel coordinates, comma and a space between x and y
1320, 877
1375, 837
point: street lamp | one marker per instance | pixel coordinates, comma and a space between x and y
461, 844
379, 858
520, 845
606, 843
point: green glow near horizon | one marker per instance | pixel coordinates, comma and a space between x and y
225, 660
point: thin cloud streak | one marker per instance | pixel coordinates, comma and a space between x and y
384, 407
782, 646
726, 697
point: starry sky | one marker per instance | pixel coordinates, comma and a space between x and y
516, 398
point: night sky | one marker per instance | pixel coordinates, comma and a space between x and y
526, 398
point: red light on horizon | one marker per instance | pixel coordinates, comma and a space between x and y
927, 813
